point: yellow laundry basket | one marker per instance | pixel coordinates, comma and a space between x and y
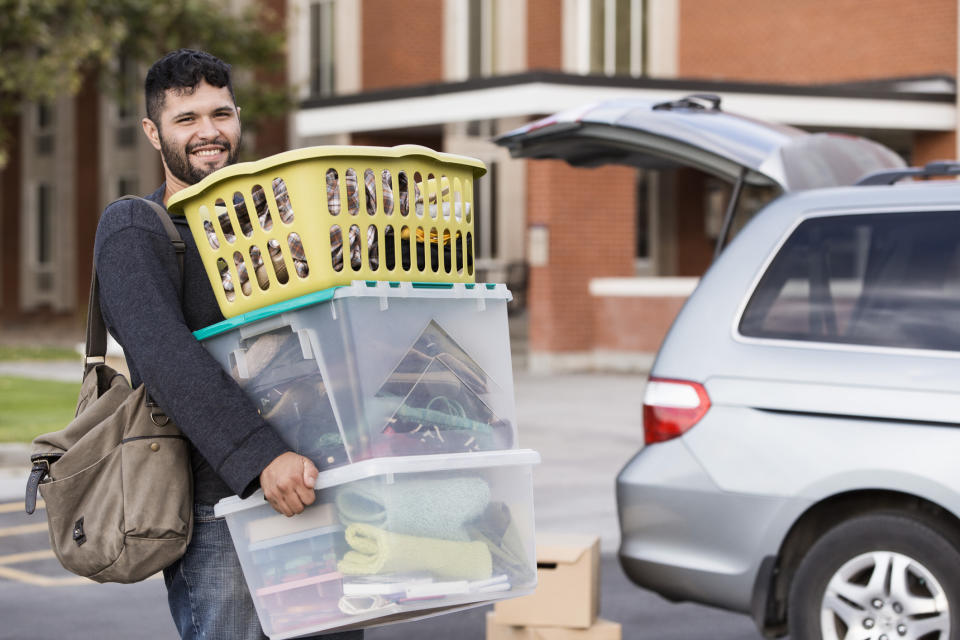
313, 218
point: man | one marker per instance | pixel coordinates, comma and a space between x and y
193, 121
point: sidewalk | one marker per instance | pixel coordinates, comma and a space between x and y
15, 457
14, 469
59, 370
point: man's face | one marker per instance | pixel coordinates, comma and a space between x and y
198, 133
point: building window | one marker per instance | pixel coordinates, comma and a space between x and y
127, 185
44, 224
44, 116
322, 80
611, 36
43, 232
126, 136
44, 138
479, 38
473, 36
128, 83
643, 216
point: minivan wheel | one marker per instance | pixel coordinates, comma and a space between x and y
882, 576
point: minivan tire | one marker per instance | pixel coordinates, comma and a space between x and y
845, 555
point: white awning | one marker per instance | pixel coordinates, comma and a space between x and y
383, 112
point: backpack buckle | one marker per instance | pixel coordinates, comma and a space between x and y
41, 468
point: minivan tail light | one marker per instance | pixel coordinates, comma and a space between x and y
671, 408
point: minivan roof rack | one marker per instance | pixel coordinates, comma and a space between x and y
930, 170
702, 101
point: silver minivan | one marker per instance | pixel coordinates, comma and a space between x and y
802, 416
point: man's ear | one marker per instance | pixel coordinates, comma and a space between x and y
152, 132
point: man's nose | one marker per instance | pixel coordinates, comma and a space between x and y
207, 129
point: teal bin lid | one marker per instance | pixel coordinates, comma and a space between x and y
312, 299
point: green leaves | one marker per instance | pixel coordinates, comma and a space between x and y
51, 47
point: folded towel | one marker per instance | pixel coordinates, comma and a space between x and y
418, 506
375, 551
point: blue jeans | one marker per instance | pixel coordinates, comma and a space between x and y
206, 590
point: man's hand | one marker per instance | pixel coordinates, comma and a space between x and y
287, 483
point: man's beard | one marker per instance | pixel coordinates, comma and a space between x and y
178, 160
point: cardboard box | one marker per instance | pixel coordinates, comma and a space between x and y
568, 585
600, 630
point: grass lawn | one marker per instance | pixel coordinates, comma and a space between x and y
31, 407
12, 352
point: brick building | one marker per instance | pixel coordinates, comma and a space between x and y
612, 251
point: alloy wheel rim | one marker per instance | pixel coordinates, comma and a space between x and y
884, 595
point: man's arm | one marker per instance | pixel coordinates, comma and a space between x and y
138, 282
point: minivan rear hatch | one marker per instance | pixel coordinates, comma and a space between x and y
695, 132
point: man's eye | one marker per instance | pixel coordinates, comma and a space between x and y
183, 120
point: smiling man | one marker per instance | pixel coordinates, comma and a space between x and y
152, 310
192, 119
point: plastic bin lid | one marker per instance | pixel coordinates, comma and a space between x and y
399, 464
361, 288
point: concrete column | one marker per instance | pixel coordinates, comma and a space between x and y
663, 37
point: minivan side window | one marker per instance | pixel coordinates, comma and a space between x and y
890, 279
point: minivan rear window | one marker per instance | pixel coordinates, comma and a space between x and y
890, 279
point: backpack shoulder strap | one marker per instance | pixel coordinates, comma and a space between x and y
167, 223
96, 347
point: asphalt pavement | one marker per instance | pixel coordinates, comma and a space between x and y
585, 426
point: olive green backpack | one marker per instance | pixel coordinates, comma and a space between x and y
117, 480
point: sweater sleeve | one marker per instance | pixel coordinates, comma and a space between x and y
139, 297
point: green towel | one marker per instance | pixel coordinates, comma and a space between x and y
418, 506
375, 551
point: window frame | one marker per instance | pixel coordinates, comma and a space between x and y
643, 216
126, 108
42, 191
462, 29
126, 178
317, 86
583, 10
44, 123
43, 231
739, 337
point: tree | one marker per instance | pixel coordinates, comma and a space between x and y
50, 47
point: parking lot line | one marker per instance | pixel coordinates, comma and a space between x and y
41, 581
8, 572
29, 578
11, 507
27, 556
22, 529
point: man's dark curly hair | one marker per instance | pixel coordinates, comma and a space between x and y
182, 71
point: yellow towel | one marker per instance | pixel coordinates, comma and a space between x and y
376, 551
405, 234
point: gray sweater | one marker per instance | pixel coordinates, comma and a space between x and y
141, 306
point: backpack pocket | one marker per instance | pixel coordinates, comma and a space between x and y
156, 479
83, 513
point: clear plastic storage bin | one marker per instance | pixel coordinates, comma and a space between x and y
390, 539
378, 369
